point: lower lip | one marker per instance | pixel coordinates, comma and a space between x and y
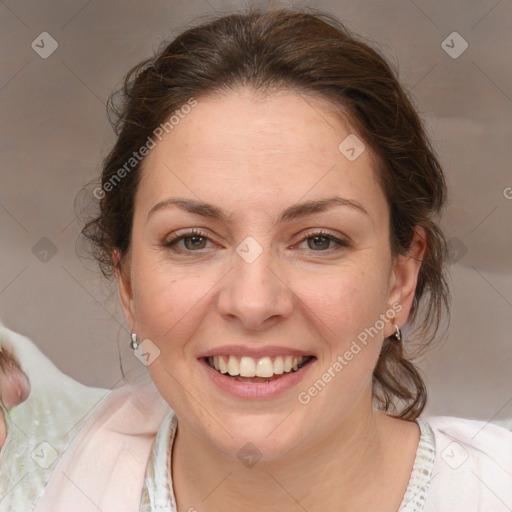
256, 390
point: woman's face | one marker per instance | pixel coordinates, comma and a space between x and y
259, 178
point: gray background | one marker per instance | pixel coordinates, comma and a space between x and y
54, 134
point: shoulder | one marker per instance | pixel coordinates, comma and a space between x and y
64, 429
479, 440
40, 429
116, 441
472, 465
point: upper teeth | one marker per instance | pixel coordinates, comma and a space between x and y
250, 367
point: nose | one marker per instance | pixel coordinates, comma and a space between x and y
254, 293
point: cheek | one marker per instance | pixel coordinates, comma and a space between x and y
169, 301
344, 309
344, 302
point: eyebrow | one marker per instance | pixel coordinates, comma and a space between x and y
293, 212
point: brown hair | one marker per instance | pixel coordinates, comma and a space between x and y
312, 53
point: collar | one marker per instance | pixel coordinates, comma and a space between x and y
158, 493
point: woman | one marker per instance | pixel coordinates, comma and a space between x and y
269, 211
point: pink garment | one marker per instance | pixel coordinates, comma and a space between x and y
466, 463
104, 466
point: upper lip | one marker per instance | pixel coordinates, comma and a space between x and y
256, 353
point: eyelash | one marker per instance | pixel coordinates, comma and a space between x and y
173, 241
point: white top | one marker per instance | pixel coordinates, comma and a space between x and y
461, 465
158, 492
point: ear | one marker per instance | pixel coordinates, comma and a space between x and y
124, 287
403, 280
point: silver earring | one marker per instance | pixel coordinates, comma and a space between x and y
134, 343
398, 333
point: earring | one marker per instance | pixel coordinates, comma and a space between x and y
398, 333
134, 343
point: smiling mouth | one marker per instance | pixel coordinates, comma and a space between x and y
265, 369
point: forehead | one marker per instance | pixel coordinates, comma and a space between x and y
241, 147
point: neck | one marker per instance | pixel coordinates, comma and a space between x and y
350, 467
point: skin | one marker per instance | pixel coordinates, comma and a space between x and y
14, 386
253, 157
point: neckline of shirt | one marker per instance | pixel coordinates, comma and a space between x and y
158, 493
